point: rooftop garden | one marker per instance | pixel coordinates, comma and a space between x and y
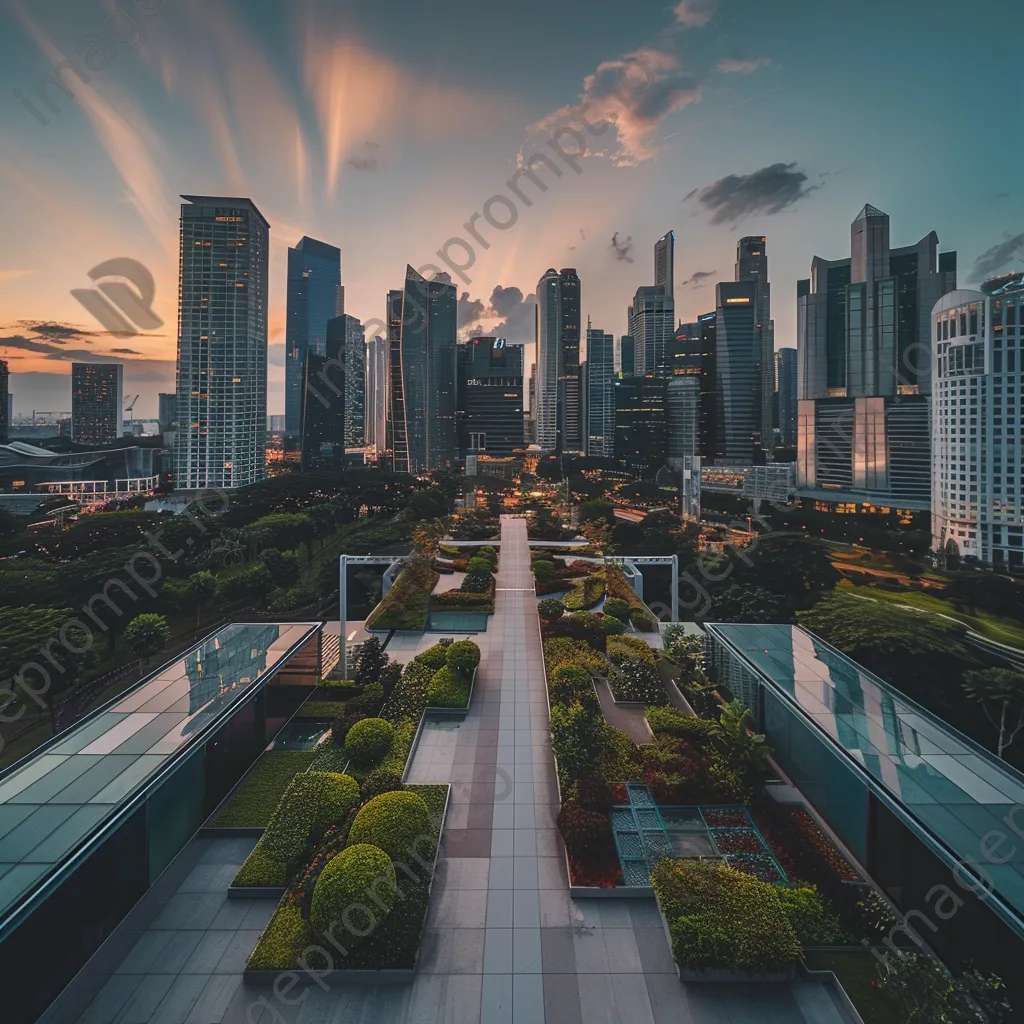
406, 605
476, 592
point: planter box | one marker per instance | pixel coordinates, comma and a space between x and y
830, 980
256, 892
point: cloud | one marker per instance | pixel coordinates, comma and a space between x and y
698, 277
363, 163
997, 259
55, 351
13, 275
470, 310
630, 95
767, 191
276, 354
514, 311
998, 195
623, 250
125, 352
742, 66
695, 13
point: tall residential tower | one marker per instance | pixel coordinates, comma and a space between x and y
559, 413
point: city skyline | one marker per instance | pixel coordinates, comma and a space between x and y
320, 161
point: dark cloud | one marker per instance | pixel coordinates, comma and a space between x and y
55, 332
470, 310
998, 258
363, 163
58, 352
698, 277
623, 250
125, 352
767, 191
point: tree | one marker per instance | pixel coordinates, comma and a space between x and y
428, 535
599, 510
598, 533
1000, 692
926, 993
549, 609
428, 503
744, 602
370, 661
146, 635
747, 748
201, 589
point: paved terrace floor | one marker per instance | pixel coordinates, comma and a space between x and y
504, 944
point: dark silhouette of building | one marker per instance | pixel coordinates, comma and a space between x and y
752, 265
627, 355
738, 374
5, 383
559, 412
97, 401
490, 402
641, 430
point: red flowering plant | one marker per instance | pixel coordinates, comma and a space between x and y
725, 817
590, 844
738, 840
301, 893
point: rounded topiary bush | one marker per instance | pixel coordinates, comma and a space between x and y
341, 728
543, 572
549, 609
380, 781
447, 689
392, 821
611, 625
463, 656
435, 656
338, 794
478, 565
354, 893
369, 740
617, 607
575, 676
642, 621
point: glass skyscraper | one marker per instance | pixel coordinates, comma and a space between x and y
97, 402
599, 377
222, 344
490, 405
752, 265
652, 321
738, 374
314, 298
665, 263
559, 412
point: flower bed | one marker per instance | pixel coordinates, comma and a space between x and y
636, 681
585, 594
761, 866
725, 817
640, 615
738, 840
629, 648
406, 605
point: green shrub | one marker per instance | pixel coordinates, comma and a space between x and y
565, 650
374, 692
812, 921
549, 609
585, 594
260, 869
354, 892
463, 657
312, 802
612, 626
447, 689
629, 648
341, 728
380, 781
282, 941
252, 805
567, 681
722, 919
321, 710
400, 747
394, 822
406, 604
369, 740
479, 566
674, 723
637, 681
543, 571
616, 607
643, 621
434, 657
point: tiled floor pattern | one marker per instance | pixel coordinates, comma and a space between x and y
504, 943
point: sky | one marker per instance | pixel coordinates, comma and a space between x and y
386, 127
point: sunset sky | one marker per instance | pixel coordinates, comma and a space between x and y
383, 126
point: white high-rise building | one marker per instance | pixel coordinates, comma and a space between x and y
978, 423
222, 344
376, 392
652, 325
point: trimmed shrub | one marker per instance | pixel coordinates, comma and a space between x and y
447, 689
343, 725
312, 802
374, 692
567, 681
549, 609
617, 607
629, 648
463, 656
369, 740
282, 941
543, 571
586, 593
393, 822
355, 891
687, 727
479, 565
811, 920
612, 626
586, 629
380, 781
594, 794
434, 657
567, 651
643, 621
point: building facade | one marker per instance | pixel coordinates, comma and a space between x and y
641, 425
652, 320
167, 411
627, 356
599, 378
682, 398
752, 265
665, 263
559, 411
376, 392
5, 385
490, 402
977, 478
314, 298
97, 402
345, 335
425, 440
395, 433
222, 344
738, 374
786, 376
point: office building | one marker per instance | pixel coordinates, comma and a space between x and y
395, 435
314, 298
222, 344
376, 392
97, 402
627, 356
5, 401
652, 319
641, 431
490, 403
167, 411
977, 478
738, 378
665, 263
682, 408
559, 410
84, 475
786, 391
863, 323
694, 353
599, 378
530, 418
425, 437
752, 265
345, 336
325, 400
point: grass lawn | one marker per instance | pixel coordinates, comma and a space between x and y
1004, 631
856, 971
257, 798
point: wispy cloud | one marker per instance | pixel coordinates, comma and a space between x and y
997, 259
696, 13
767, 191
13, 275
363, 163
698, 277
622, 250
743, 66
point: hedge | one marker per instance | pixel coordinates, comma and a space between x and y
448, 689
675, 723
585, 594
261, 869
282, 942
566, 651
312, 802
434, 657
618, 588
254, 802
355, 890
463, 656
617, 607
328, 710
393, 822
369, 740
380, 781
406, 604
628, 648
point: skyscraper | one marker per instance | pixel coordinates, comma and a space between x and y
345, 334
665, 263
395, 395
641, 434
752, 265
324, 397
314, 297
376, 392
559, 413
652, 320
600, 376
222, 344
977, 476
627, 355
682, 403
490, 402
738, 373
97, 402
786, 376
5, 383
167, 411
426, 439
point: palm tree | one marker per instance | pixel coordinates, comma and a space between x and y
748, 747
1000, 692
